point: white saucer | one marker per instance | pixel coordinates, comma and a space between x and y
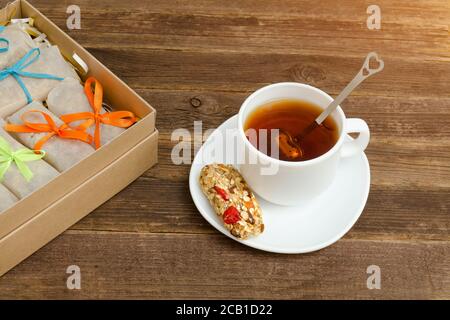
298, 229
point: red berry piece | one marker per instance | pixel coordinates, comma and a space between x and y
222, 193
231, 215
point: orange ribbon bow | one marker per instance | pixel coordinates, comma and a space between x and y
122, 119
63, 131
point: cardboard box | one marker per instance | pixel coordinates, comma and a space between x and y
73, 206
35, 220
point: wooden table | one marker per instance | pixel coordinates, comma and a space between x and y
198, 60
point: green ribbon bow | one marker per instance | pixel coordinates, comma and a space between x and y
19, 157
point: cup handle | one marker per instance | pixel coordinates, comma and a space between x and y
359, 144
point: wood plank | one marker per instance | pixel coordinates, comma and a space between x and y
388, 117
127, 265
431, 11
390, 213
257, 35
294, 27
239, 72
392, 164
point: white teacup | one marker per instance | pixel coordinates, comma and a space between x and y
294, 183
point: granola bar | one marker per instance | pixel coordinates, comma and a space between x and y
232, 200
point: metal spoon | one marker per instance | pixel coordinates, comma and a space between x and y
295, 150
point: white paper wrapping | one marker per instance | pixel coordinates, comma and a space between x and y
14, 180
62, 154
50, 62
20, 43
7, 199
69, 97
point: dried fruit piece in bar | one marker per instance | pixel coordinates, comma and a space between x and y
232, 200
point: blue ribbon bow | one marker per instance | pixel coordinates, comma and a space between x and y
3, 48
17, 71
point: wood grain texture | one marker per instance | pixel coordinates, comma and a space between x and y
245, 72
198, 60
130, 265
252, 26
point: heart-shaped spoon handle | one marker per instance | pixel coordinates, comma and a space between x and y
365, 72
